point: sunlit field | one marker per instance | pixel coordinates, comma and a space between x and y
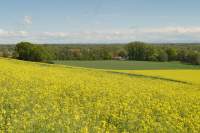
189, 76
37, 97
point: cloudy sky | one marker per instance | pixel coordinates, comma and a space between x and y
99, 21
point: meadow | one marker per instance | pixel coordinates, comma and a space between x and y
128, 65
39, 97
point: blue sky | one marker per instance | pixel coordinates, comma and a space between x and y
99, 21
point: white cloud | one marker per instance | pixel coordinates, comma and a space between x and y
179, 30
4, 33
55, 34
27, 20
157, 34
128, 34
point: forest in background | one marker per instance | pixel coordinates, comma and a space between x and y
139, 51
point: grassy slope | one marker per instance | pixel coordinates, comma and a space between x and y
129, 65
37, 97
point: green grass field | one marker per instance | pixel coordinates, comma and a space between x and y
129, 65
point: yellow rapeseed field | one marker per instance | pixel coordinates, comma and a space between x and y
189, 76
36, 97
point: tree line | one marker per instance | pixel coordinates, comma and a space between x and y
139, 51
143, 52
46, 53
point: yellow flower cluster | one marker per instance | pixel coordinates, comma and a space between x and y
189, 76
36, 97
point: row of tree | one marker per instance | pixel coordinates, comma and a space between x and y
44, 53
144, 52
66, 53
133, 51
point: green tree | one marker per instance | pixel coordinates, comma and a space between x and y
193, 58
24, 50
136, 51
172, 54
162, 56
122, 53
182, 55
32, 52
151, 53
